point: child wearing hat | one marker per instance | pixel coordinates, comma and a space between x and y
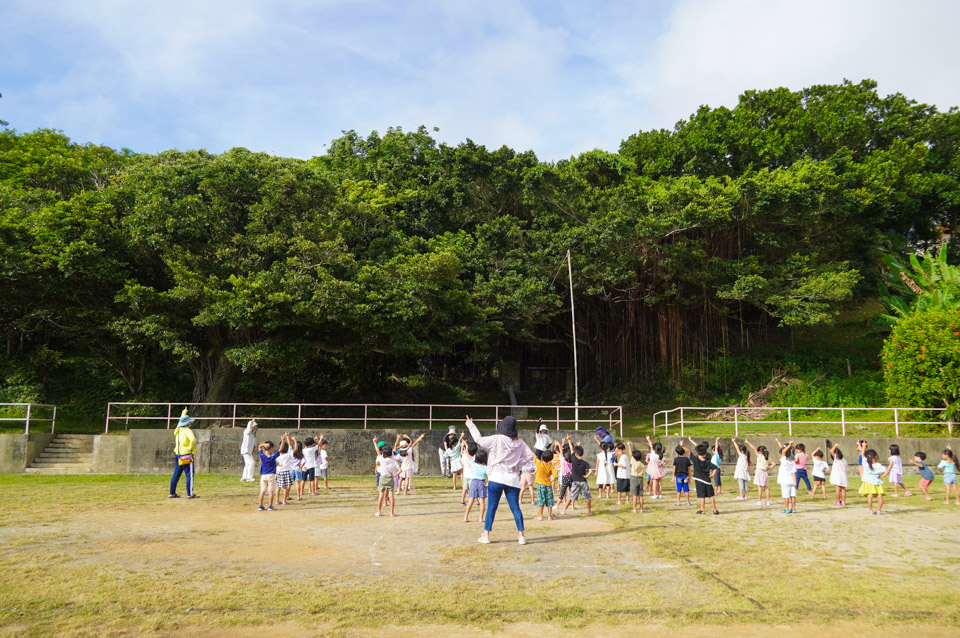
544, 442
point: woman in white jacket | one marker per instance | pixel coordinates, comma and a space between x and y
248, 445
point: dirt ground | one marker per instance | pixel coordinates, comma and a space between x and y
329, 567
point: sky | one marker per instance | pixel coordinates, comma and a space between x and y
553, 76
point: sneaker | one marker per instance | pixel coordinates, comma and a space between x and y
261, 508
716, 512
908, 493
836, 503
484, 540
522, 540
793, 511
174, 496
270, 509
699, 511
194, 496
786, 511
760, 503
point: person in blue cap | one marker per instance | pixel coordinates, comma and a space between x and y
184, 455
603, 435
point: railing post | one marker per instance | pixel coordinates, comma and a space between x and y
364, 416
896, 422
299, 412
27, 426
681, 423
234, 420
558, 417
736, 422
53, 424
496, 414
666, 425
169, 410
430, 419
843, 421
790, 420
126, 421
106, 423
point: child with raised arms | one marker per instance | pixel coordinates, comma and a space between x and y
478, 485
819, 473
787, 479
761, 478
268, 473
408, 462
580, 471
387, 469
742, 470
838, 475
872, 485
467, 452
703, 471
655, 468
285, 463
323, 463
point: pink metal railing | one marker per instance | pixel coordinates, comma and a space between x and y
613, 418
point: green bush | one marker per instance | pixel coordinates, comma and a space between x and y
921, 361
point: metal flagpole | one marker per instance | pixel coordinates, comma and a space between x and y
573, 323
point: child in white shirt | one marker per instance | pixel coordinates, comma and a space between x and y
820, 469
388, 470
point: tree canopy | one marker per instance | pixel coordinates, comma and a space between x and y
394, 254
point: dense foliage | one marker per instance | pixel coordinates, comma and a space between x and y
392, 255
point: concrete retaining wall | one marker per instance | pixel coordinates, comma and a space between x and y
17, 451
352, 452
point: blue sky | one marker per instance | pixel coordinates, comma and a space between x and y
557, 77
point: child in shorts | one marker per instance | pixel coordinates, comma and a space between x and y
787, 479
268, 473
681, 473
310, 451
622, 468
926, 474
819, 473
637, 471
527, 473
703, 470
478, 486
949, 468
323, 463
388, 469
580, 471
544, 482
285, 466
895, 471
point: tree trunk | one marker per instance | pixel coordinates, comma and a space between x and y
213, 380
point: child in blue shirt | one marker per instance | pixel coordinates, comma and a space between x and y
268, 473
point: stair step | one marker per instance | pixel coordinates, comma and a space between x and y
57, 470
85, 458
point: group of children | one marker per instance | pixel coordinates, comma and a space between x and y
295, 463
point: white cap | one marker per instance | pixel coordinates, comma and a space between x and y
404, 443
543, 427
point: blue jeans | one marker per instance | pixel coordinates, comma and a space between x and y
494, 491
178, 469
802, 474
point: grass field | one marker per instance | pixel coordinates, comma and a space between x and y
110, 555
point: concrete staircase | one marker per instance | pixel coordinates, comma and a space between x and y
66, 454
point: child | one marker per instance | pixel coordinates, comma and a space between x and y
895, 471
622, 469
820, 469
310, 450
801, 463
742, 471
268, 473
526, 481
872, 485
787, 479
838, 475
322, 463
543, 442
761, 477
926, 474
681, 473
478, 485
299, 467
284, 469
580, 471
861, 448
717, 459
544, 482
655, 468
637, 470
566, 458
467, 453
605, 477
453, 458
388, 469
949, 468
408, 462
557, 465
703, 470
